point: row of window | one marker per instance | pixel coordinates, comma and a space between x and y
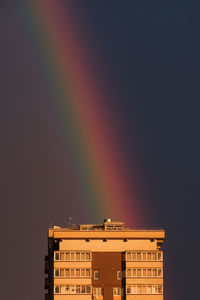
72, 272
87, 256
73, 256
130, 289
80, 273
83, 289
72, 289
144, 256
144, 273
144, 289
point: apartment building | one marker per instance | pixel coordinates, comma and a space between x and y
103, 262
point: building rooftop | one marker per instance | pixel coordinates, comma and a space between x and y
108, 229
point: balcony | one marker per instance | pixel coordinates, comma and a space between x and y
46, 264
46, 283
46, 267
46, 297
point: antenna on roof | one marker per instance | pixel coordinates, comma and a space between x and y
70, 222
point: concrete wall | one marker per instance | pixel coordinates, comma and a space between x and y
73, 264
72, 281
99, 245
107, 264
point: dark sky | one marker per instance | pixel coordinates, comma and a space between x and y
148, 57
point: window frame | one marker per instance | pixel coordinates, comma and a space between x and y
119, 275
98, 275
117, 291
98, 291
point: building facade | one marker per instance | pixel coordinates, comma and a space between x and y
104, 262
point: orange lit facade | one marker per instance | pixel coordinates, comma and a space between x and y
104, 262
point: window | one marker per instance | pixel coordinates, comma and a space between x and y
57, 256
134, 289
88, 289
154, 272
149, 289
72, 289
144, 256
98, 291
144, 289
149, 256
119, 275
128, 273
128, 289
96, 275
117, 291
57, 272
128, 256
134, 256
82, 255
62, 289
148, 272
67, 289
153, 255
154, 289
62, 256
88, 256
134, 273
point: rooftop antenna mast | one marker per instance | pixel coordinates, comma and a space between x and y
70, 222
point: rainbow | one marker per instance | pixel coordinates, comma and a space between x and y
95, 146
